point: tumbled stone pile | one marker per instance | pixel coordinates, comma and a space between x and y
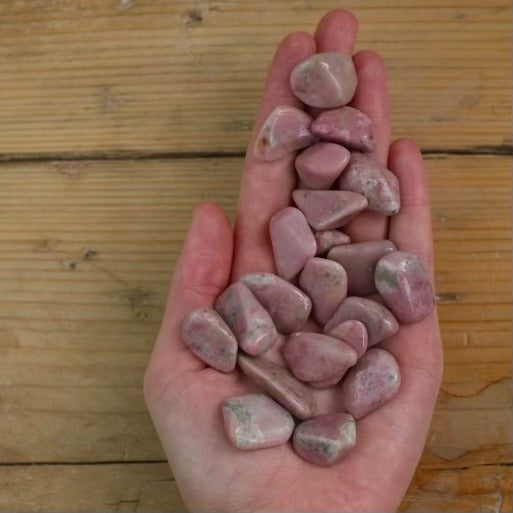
357, 293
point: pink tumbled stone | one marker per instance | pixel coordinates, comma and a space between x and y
288, 306
325, 80
379, 185
359, 260
378, 320
373, 381
255, 421
326, 439
347, 126
404, 285
285, 130
292, 240
317, 357
325, 282
321, 164
325, 210
326, 383
280, 384
247, 318
210, 339
353, 333
327, 239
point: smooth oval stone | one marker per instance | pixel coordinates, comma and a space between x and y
321, 164
325, 282
347, 126
247, 318
404, 285
280, 384
288, 306
325, 80
326, 383
255, 421
379, 185
292, 241
353, 333
373, 381
210, 339
359, 260
285, 130
326, 439
378, 320
317, 357
327, 239
325, 210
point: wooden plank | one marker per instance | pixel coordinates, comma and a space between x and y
172, 76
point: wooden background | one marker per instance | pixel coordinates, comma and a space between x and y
116, 117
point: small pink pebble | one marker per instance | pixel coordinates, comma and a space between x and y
353, 333
285, 130
327, 239
321, 164
326, 439
373, 381
292, 241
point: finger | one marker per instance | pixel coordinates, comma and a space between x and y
201, 273
266, 186
371, 97
336, 32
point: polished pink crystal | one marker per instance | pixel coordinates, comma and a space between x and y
353, 333
404, 285
373, 381
379, 185
247, 318
210, 339
347, 126
378, 320
285, 130
325, 210
325, 282
317, 357
359, 260
280, 384
325, 80
288, 306
326, 239
255, 421
321, 164
326, 439
292, 240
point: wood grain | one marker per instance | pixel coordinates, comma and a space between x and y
140, 77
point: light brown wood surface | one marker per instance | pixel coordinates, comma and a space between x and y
116, 117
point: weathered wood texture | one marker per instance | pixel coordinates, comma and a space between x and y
173, 76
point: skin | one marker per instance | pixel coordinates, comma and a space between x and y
184, 396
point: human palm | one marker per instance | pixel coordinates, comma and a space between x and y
185, 397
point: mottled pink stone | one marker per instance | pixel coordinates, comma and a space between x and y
210, 339
373, 381
379, 185
325, 80
285, 130
317, 357
359, 260
327, 239
288, 306
325, 282
321, 164
353, 333
325, 210
247, 318
378, 320
404, 285
280, 384
292, 240
347, 126
255, 421
326, 439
